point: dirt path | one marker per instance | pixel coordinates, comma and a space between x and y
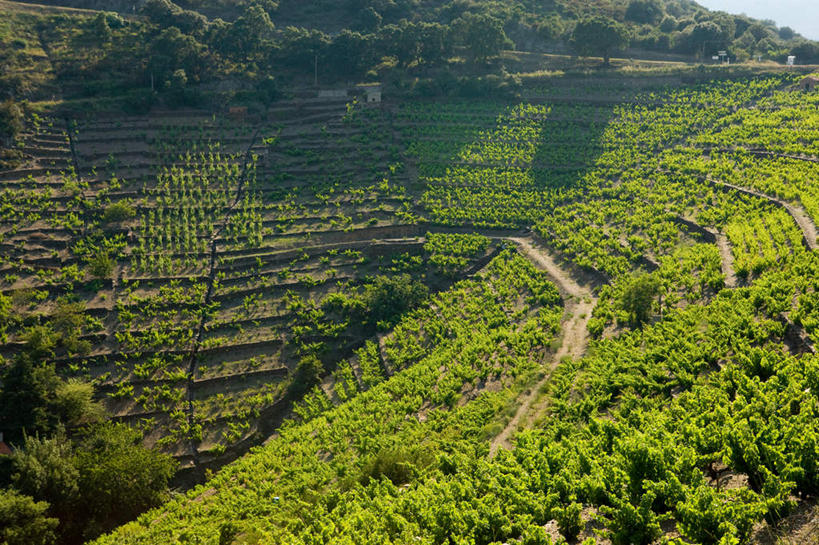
579, 305
545, 261
727, 260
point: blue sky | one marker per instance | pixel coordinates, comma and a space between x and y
800, 15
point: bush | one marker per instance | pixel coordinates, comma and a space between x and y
11, 121
101, 266
140, 102
76, 405
399, 465
117, 212
387, 298
23, 521
638, 297
306, 375
118, 477
569, 522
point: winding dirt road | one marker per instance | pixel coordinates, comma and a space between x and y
579, 305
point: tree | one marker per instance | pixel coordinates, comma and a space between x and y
806, 52
599, 36
301, 47
638, 296
11, 122
75, 401
267, 89
387, 297
251, 32
118, 212
482, 35
118, 477
23, 521
306, 375
29, 387
644, 11
787, 33
350, 53
105, 479
167, 14
172, 50
101, 29
370, 19
43, 468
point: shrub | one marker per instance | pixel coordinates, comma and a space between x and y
101, 266
306, 375
117, 212
23, 521
11, 121
386, 298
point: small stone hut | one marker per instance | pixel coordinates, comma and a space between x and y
809, 83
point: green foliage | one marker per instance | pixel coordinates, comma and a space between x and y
118, 212
101, 266
599, 36
43, 468
482, 35
23, 521
400, 465
638, 298
29, 387
307, 374
387, 297
76, 404
118, 477
569, 521
103, 479
450, 254
102, 31
644, 11
11, 121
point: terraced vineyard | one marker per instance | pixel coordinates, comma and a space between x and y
448, 322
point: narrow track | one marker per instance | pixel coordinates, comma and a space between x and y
579, 305
727, 260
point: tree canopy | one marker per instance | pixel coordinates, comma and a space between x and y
600, 36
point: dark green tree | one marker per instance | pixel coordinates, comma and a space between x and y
370, 19
44, 469
172, 50
482, 35
29, 387
787, 33
118, 477
387, 297
350, 54
11, 122
806, 52
306, 375
300, 48
24, 521
600, 36
251, 32
102, 31
638, 297
644, 11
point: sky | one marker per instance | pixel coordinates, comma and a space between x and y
800, 15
